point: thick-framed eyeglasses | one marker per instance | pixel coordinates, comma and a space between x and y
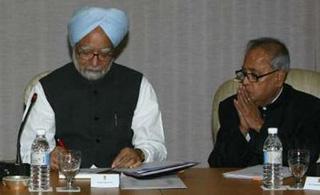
252, 77
89, 54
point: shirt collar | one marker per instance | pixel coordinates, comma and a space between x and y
274, 99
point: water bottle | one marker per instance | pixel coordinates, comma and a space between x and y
272, 152
40, 163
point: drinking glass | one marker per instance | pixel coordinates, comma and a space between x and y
298, 160
69, 164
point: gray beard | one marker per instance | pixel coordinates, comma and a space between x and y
91, 75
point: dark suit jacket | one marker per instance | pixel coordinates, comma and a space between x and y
297, 116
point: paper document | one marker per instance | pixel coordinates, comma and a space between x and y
157, 168
254, 172
164, 182
312, 183
145, 170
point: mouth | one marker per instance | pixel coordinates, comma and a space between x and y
93, 70
98, 68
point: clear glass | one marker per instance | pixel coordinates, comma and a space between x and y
69, 166
298, 160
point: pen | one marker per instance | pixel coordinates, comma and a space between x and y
60, 143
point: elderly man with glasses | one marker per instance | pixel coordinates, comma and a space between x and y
107, 111
263, 100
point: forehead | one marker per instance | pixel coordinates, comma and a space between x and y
96, 39
257, 60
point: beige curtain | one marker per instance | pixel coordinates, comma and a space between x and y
186, 48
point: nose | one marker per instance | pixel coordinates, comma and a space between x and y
245, 81
95, 60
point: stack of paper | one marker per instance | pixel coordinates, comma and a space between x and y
152, 169
164, 182
156, 172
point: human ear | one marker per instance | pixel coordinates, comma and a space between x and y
280, 77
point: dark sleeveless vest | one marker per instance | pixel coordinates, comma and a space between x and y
94, 116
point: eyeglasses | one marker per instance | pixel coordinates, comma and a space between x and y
252, 77
88, 53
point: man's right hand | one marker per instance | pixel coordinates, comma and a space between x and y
244, 127
249, 114
128, 158
54, 156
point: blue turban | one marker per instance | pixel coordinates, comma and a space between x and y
114, 23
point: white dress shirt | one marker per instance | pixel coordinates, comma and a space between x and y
146, 124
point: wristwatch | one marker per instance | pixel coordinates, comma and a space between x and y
140, 154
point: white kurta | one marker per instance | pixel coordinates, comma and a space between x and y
146, 124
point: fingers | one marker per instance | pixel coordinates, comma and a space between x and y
129, 163
54, 165
240, 103
244, 127
247, 110
243, 96
245, 103
236, 104
54, 156
127, 158
137, 164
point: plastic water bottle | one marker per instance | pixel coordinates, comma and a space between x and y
40, 163
272, 152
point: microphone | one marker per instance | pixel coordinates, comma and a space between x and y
33, 100
18, 168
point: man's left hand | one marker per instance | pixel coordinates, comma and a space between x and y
248, 109
127, 158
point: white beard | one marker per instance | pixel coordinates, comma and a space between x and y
91, 75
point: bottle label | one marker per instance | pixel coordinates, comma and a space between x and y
40, 158
272, 157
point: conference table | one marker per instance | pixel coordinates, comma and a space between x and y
199, 181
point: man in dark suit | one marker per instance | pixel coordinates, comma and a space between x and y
263, 100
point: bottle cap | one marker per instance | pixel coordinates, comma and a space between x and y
41, 132
272, 130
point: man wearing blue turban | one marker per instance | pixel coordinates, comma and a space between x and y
107, 111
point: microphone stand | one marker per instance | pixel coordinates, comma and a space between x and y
18, 168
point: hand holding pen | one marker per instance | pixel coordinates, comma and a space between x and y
60, 147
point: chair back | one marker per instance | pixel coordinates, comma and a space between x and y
32, 83
304, 80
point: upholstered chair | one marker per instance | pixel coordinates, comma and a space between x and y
32, 83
